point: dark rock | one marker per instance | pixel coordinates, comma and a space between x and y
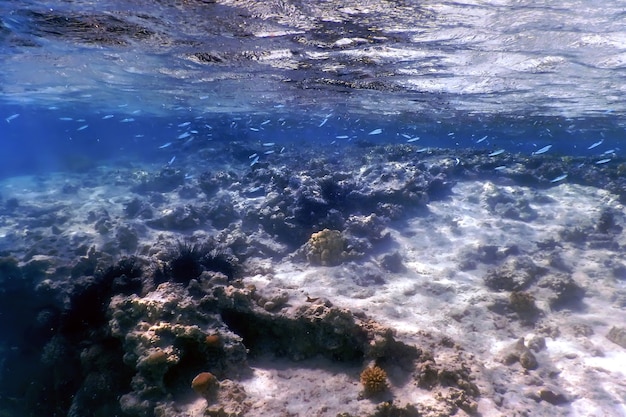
617, 335
516, 274
187, 192
552, 396
137, 208
393, 263
127, 238
606, 223
11, 204
518, 352
565, 292
164, 181
221, 211
180, 218
524, 305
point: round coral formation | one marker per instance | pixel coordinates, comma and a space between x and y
374, 380
326, 248
213, 341
206, 385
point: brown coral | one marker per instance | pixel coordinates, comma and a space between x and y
374, 380
206, 385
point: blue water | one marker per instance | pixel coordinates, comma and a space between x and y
40, 140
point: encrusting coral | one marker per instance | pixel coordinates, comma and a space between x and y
326, 247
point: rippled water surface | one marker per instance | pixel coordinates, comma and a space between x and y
506, 57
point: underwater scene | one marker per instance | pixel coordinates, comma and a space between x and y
331, 208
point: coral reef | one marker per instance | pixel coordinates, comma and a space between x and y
206, 385
374, 380
326, 247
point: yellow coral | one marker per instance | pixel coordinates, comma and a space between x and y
374, 380
326, 248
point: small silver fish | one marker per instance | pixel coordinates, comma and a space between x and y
496, 153
269, 152
127, 120
184, 124
66, 119
254, 161
598, 143
603, 161
12, 117
482, 139
559, 178
165, 145
83, 127
376, 132
252, 156
254, 129
265, 122
108, 116
416, 138
172, 160
542, 150
323, 122
184, 135
269, 144
342, 137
